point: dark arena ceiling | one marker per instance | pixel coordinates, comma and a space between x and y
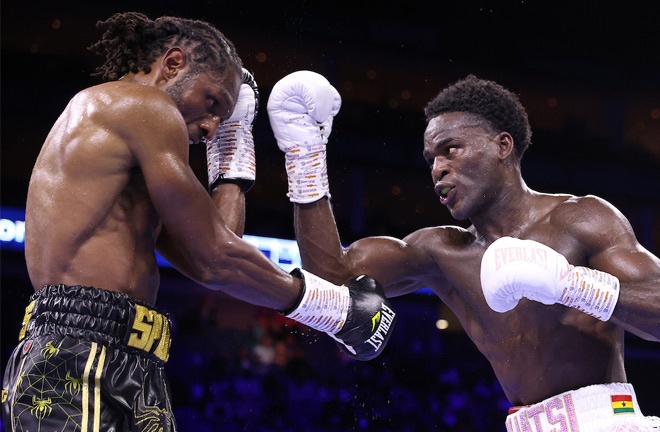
589, 74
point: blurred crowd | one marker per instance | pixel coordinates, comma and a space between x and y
267, 373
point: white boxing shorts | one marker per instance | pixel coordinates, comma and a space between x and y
597, 408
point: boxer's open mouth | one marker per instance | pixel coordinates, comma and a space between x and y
443, 191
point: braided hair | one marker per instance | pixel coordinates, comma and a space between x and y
131, 42
490, 101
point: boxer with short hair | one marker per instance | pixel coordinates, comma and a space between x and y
545, 285
111, 186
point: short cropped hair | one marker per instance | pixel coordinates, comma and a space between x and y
131, 42
488, 100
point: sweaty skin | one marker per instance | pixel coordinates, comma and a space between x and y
535, 350
112, 184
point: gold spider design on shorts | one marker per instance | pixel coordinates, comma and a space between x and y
41, 407
73, 385
152, 420
50, 350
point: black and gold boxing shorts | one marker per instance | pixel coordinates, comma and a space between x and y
88, 360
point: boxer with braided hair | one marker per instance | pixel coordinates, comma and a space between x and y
545, 285
131, 42
112, 186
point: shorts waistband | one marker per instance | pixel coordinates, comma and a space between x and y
108, 317
576, 408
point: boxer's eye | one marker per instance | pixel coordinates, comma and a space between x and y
451, 150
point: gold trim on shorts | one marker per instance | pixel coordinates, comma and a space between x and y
26, 319
150, 331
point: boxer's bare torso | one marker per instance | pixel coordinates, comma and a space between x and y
90, 217
535, 350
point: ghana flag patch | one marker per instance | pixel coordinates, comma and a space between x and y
622, 404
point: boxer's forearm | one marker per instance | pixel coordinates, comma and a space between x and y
319, 242
638, 306
229, 199
638, 309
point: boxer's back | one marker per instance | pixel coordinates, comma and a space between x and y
89, 220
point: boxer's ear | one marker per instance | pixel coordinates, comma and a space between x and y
174, 61
505, 144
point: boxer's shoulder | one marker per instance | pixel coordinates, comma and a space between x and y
591, 209
447, 240
574, 226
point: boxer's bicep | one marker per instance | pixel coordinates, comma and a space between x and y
629, 261
612, 245
638, 271
397, 265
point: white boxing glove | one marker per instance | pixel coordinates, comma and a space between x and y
230, 153
301, 108
513, 268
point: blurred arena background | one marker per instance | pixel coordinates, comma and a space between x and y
588, 73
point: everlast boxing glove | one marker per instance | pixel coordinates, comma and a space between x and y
230, 153
512, 269
301, 108
357, 314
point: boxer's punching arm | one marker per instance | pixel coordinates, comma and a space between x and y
398, 265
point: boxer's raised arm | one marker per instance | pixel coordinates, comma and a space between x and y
302, 107
230, 157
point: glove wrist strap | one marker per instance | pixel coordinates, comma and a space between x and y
230, 154
591, 291
323, 306
307, 174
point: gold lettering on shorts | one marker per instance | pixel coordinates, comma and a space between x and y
150, 327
